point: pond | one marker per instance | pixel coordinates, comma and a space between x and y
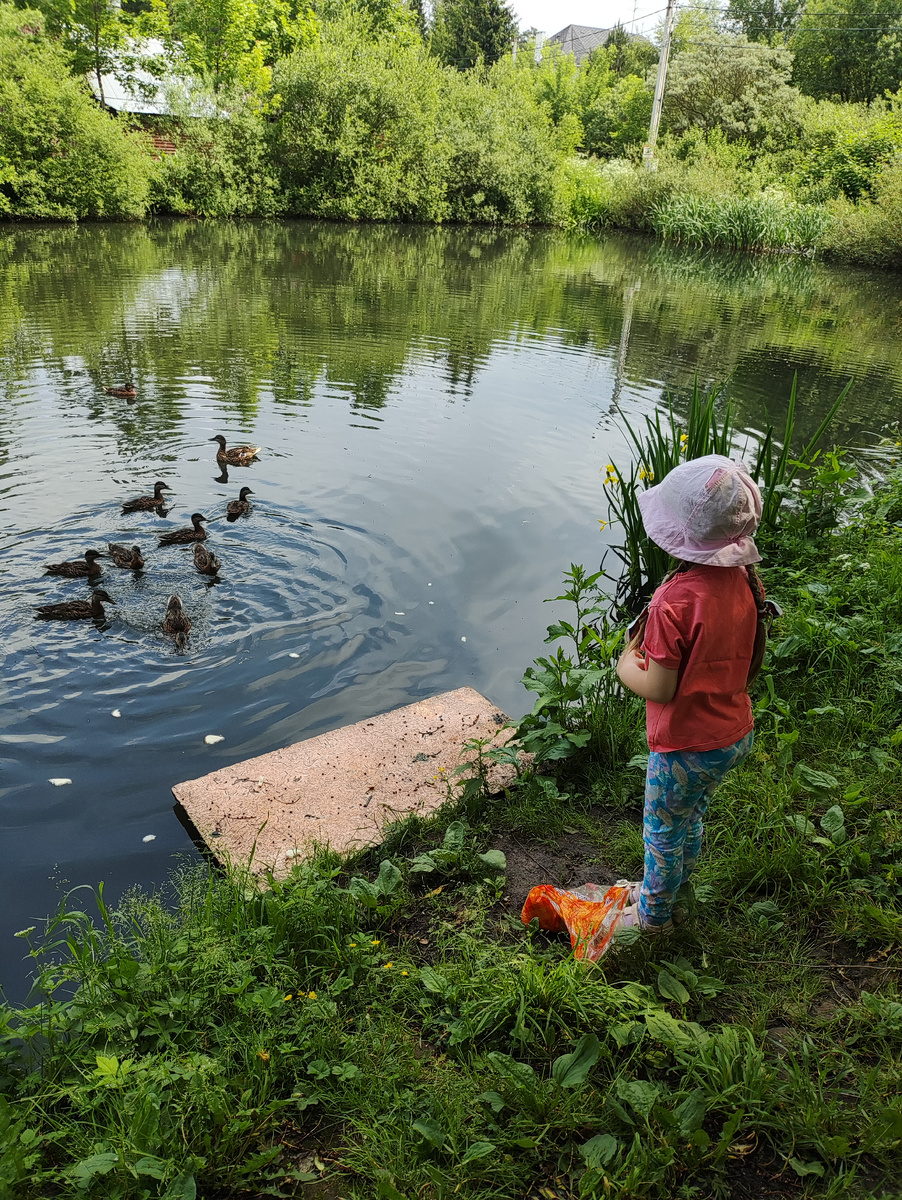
432, 406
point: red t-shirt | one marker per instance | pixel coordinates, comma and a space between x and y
702, 623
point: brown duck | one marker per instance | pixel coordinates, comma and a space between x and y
237, 456
75, 610
241, 506
148, 503
179, 537
176, 621
77, 569
124, 393
205, 560
129, 560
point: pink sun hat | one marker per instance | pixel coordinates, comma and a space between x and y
705, 511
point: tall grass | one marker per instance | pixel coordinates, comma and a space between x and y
765, 222
665, 442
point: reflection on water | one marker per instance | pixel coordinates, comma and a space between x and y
432, 406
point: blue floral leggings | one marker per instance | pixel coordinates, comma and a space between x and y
678, 787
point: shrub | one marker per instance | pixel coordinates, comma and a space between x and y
61, 157
357, 130
221, 166
871, 231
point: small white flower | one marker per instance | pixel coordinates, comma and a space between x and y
865, 566
212, 738
25, 932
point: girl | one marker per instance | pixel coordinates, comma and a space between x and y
702, 643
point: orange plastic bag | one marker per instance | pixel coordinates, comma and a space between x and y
590, 914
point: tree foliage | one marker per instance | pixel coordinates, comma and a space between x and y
732, 84
61, 156
849, 49
467, 32
771, 21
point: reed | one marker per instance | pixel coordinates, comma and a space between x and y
665, 442
764, 222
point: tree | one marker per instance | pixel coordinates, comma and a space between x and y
730, 83
849, 49
465, 32
771, 21
91, 30
629, 54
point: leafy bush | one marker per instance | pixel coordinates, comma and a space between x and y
870, 231
221, 165
357, 130
61, 157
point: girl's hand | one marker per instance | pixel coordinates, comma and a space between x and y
645, 677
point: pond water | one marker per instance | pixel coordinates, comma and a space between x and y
432, 407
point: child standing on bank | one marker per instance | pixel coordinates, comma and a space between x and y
701, 644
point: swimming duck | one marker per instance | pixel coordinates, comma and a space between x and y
179, 536
129, 560
176, 620
148, 503
77, 569
237, 508
238, 456
124, 393
205, 560
75, 610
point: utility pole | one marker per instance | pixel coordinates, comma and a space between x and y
648, 150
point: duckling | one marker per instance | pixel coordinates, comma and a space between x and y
75, 610
123, 393
205, 560
129, 560
176, 620
148, 503
238, 456
241, 506
179, 536
77, 570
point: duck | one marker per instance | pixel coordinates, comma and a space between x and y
176, 620
205, 560
77, 569
179, 536
238, 508
124, 393
129, 560
75, 610
238, 456
148, 503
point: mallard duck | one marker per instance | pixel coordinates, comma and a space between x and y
205, 560
176, 620
75, 610
180, 536
238, 508
124, 393
148, 503
238, 456
129, 560
77, 569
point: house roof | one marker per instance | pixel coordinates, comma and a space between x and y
580, 40
130, 88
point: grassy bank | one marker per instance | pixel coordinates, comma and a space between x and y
386, 1027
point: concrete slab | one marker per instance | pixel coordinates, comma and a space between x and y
340, 788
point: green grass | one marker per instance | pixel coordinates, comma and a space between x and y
382, 1027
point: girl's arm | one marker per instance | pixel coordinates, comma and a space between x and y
645, 677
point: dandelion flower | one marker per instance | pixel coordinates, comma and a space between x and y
289, 996
387, 966
311, 995
353, 945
